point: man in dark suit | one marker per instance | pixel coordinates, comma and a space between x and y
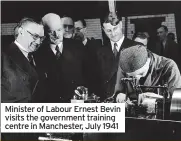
108, 55
91, 46
167, 47
63, 59
81, 34
21, 80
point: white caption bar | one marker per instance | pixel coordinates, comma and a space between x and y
62, 117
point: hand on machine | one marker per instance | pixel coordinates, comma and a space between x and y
144, 106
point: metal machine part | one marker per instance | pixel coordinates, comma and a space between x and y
175, 108
81, 95
158, 107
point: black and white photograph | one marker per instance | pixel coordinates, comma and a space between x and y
90, 70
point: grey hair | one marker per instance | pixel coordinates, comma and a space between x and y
25, 21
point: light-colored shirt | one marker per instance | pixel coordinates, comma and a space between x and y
53, 47
85, 41
119, 43
24, 51
164, 43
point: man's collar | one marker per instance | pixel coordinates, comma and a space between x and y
60, 46
23, 50
20, 46
85, 41
119, 43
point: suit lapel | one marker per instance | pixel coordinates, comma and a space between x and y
113, 61
50, 54
166, 51
20, 60
125, 44
64, 47
68, 50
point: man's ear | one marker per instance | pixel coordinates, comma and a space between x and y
20, 30
85, 30
121, 24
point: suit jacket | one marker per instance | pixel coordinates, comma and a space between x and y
64, 74
107, 67
92, 46
20, 81
171, 51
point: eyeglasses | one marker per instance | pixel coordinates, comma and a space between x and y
36, 37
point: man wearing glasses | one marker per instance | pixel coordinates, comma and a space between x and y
20, 75
80, 31
108, 55
63, 59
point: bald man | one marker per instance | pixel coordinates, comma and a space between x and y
63, 59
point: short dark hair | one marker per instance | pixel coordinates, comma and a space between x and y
164, 27
141, 35
66, 16
111, 18
171, 35
83, 22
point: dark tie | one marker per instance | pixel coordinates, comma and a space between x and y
115, 51
58, 53
30, 58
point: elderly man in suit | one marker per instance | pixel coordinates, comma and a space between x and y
63, 60
108, 55
20, 80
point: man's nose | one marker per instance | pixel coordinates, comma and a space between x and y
67, 28
113, 33
56, 34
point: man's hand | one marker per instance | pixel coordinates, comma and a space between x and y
121, 98
82, 90
148, 100
150, 95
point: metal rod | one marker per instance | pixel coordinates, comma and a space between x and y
144, 86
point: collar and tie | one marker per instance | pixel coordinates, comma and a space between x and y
30, 58
115, 51
58, 53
